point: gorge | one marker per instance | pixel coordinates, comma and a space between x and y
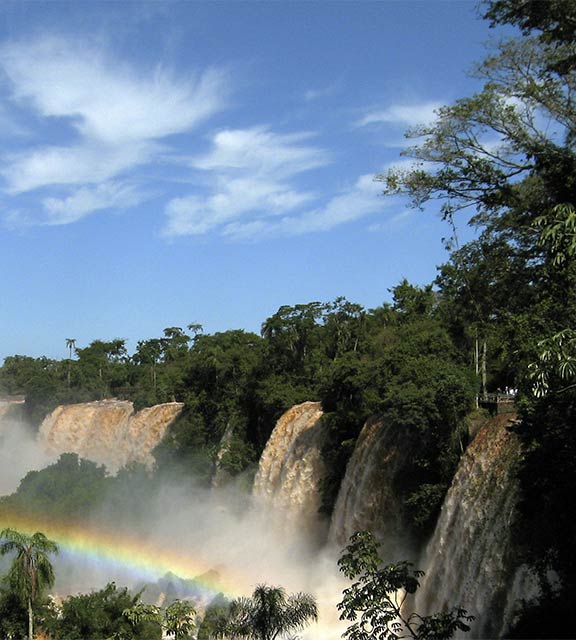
469, 561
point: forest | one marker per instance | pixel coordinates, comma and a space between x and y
500, 314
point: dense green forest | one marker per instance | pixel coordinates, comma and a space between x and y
501, 313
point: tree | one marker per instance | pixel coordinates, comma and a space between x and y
554, 19
101, 365
269, 614
215, 617
70, 344
31, 571
99, 615
508, 150
379, 596
507, 154
177, 620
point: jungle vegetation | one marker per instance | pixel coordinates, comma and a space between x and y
501, 313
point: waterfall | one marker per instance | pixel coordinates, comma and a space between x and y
19, 451
11, 410
291, 470
220, 476
367, 499
470, 561
108, 432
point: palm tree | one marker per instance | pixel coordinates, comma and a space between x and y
31, 571
70, 344
269, 614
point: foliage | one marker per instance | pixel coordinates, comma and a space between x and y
31, 571
507, 155
215, 617
66, 489
556, 364
73, 489
379, 596
546, 529
268, 614
13, 615
176, 620
99, 616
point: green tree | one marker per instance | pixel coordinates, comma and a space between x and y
102, 366
31, 571
99, 616
507, 155
269, 614
176, 620
379, 595
215, 617
67, 489
13, 615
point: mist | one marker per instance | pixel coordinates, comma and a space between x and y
197, 531
19, 451
191, 531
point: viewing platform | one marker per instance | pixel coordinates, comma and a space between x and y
498, 402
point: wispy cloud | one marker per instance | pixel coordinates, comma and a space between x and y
353, 203
86, 163
403, 114
244, 197
323, 92
250, 172
85, 201
401, 218
105, 100
114, 117
260, 150
250, 210
9, 127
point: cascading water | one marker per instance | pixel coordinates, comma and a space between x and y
11, 411
287, 497
470, 559
367, 499
291, 470
220, 476
108, 431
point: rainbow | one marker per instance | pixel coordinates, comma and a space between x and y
128, 553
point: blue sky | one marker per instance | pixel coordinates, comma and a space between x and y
168, 163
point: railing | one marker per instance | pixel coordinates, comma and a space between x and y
498, 402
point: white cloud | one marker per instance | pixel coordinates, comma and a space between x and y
404, 114
358, 201
8, 125
400, 218
323, 92
116, 118
85, 201
259, 150
249, 172
194, 215
81, 164
286, 217
105, 100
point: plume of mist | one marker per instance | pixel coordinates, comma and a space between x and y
19, 453
211, 530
